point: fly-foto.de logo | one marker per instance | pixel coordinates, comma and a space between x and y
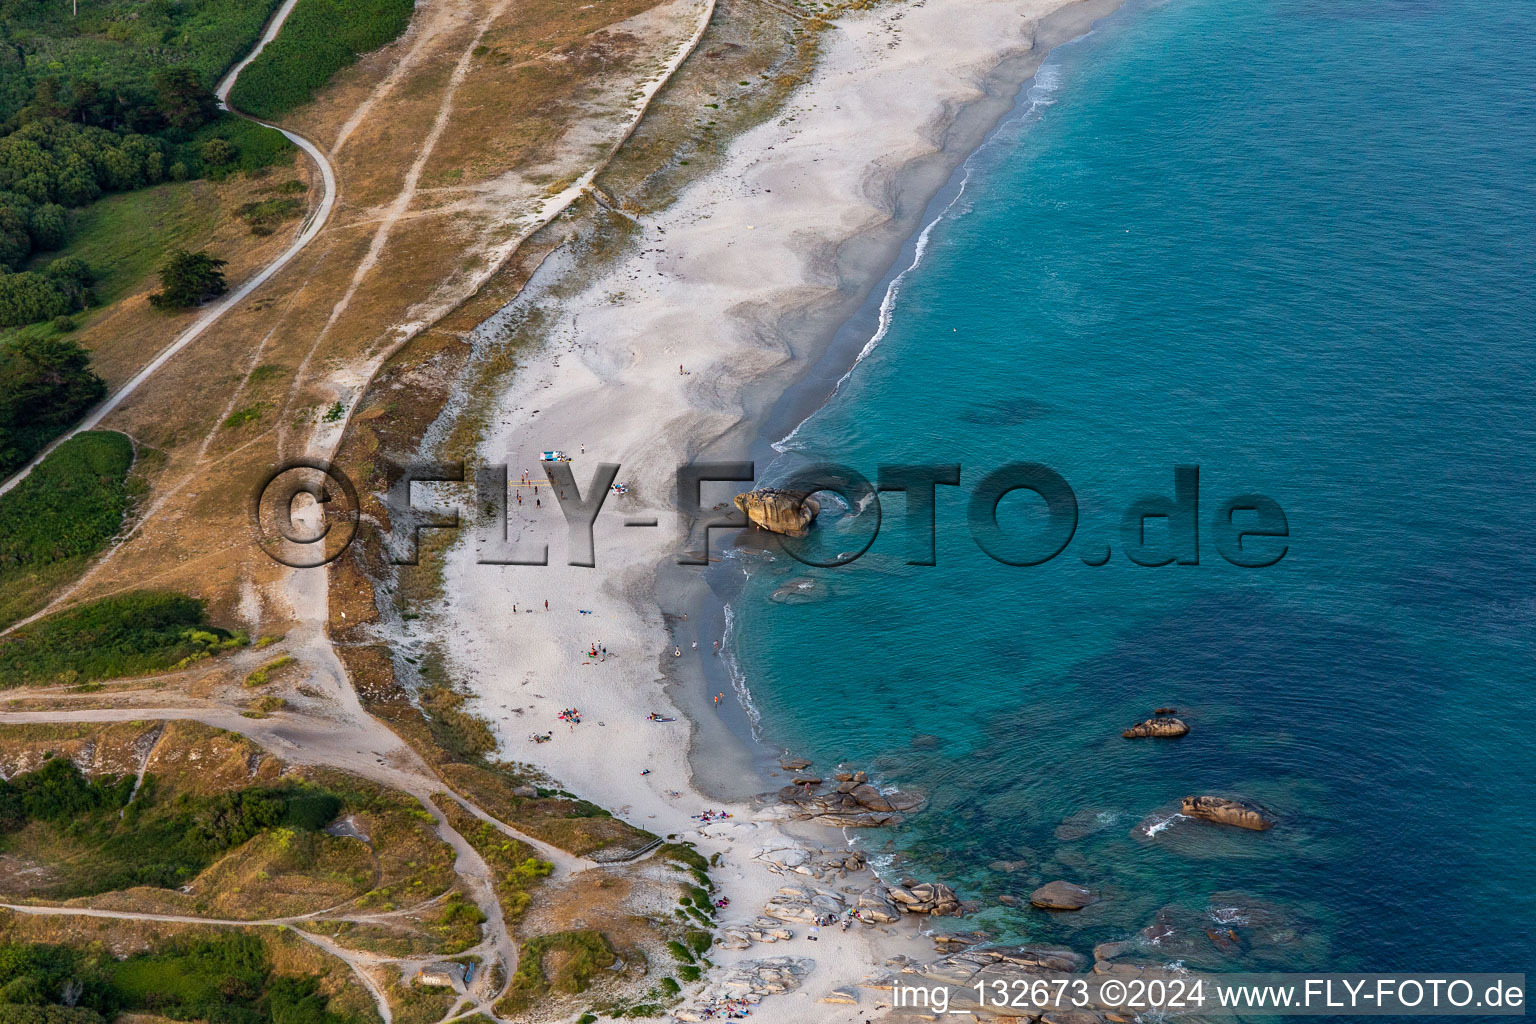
306, 513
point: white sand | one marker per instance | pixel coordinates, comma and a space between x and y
739, 249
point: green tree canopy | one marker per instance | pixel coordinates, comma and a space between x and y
188, 278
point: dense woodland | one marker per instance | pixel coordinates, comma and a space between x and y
113, 97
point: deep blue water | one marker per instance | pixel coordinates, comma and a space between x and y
1290, 242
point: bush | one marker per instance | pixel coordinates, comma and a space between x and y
48, 226
14, 1013
188, 278
70, 505
319, 38
217, 152
265, 216
585, 953
45, 384
128, 634
59, 792
154, 841
28, 297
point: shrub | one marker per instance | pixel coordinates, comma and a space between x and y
48, 226
28, 297
217, 152
59, 792
45, 384
188, 278
128, 634
264, 217
585, 954
319, 38
70, 505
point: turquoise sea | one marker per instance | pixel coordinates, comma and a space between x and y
1292, 242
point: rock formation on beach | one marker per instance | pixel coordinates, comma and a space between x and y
1241, 813
1160, 727
850, 801
786, 512
913, 897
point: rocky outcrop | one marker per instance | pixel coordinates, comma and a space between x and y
850, 801
1164, 728
773, 976
747, 984
875, 906
954, 941
1062, 895
1241, 813
784, 856
787, 512
742, 934
913, 897
803, 904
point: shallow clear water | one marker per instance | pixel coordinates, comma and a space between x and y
1290, 242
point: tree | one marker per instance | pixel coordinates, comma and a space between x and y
218, 152
74, 277
46, 380
48, 226
28, 297
189, 278
182, 98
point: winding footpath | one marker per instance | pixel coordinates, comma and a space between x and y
311, 228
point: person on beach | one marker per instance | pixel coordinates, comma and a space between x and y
546, 604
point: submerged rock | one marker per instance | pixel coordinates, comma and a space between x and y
1159, 727
799, 591
1084, 823
1062, 895
1241, 813
786, 512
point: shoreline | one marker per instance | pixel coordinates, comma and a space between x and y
654, 363
924, 190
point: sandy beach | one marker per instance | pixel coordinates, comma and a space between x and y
677, 354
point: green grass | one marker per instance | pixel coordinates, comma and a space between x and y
224, 978
126, 635
586, 953
96, 841
59, 517
123, 237
319, 38
257, 146
240, 417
